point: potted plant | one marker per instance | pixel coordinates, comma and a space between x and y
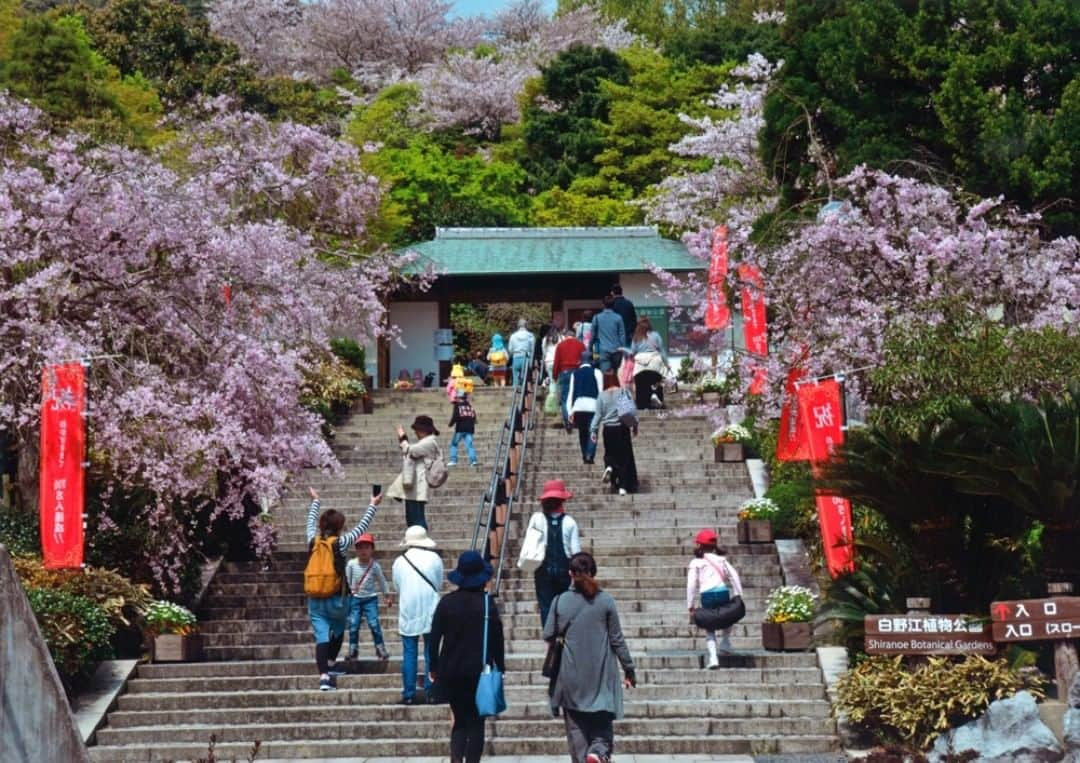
788, 612
728, 443
755, 520
172, 633
710, 388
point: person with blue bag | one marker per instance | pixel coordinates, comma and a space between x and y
711, 576
468, 655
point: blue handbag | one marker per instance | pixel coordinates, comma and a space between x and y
490, 700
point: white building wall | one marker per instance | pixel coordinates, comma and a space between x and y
417, 322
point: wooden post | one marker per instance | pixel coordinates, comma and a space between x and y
1066, 663
917, 605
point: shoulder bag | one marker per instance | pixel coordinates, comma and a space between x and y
626, 409
553, 658
436, 472
490, 700
533, 547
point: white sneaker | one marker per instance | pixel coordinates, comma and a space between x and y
622, 491
607, 475
714, 661
656, 401
451, 463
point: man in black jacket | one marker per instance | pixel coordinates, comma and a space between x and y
626, 311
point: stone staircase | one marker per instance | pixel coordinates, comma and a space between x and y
259, 682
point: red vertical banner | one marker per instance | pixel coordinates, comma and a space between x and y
791, 443
717, 315
63, 446
822, 418
755, 329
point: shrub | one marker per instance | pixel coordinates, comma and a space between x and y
122, 601
166, 617
790, 604
795, 512
350, 352
913, 705
19, 532
731, 433
76, 630
758, 508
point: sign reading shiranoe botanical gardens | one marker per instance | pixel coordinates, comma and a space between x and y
1036, 619
63, 439
927, 634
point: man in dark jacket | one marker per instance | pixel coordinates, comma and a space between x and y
626, 311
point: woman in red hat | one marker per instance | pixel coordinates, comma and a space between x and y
551, 538
712, 577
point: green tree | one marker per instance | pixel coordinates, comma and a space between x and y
558, 208
562, 121
984, 91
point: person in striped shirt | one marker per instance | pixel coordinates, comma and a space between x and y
329, 616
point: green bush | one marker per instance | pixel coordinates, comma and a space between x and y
795, 513
350, 352
123, 602
76, 630
913, 705
19, 532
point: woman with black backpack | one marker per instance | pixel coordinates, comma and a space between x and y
324, 581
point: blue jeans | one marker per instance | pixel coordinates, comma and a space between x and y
469, 449
328, 617
549, 584
519, 369
564, 391
409, 658
367, 608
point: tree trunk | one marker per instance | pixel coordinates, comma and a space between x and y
26, 498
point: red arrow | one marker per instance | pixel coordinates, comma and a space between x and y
1001, 611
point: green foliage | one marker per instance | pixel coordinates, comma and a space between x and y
474, 324
349, 351
330, 387
796, 516
913, 705
167, 617
11, 12
122, 601
561, 121
19, 531
928, 370
988, 92
660, 20
76, 630
52, 63
727, 38
558, 208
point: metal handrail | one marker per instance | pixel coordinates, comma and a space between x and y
486, 519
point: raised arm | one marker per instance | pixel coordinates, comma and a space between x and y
312, 515
349, 538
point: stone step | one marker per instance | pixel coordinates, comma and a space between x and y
436, 748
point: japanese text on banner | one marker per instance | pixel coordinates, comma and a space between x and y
63, 441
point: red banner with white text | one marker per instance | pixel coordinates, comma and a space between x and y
791, 442
821, 414
755, 329
63, 445
717, 314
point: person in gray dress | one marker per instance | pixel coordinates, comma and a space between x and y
588, 688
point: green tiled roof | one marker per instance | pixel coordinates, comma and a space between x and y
510, 251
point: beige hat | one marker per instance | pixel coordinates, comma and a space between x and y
417, 536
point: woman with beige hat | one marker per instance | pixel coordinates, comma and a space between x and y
418, 578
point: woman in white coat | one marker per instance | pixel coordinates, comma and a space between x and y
551, 538
411, 486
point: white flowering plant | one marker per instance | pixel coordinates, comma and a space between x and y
758, 508
731, 433
790, 604
167, 617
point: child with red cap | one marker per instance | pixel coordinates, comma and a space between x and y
366, 581
712, 577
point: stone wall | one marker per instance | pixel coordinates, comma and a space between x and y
36, 723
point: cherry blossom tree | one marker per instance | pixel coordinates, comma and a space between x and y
736, 189
118, 255
265, 30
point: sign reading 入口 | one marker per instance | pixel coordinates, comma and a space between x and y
926, 634
1036, 619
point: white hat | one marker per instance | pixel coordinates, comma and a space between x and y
417, 536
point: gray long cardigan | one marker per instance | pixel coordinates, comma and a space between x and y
589, 679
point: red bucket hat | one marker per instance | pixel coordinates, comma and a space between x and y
706, 537
555, 489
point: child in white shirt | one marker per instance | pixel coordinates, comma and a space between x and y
366, 582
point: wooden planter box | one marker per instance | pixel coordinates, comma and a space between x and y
786, 637
729, 451
710, 397
172, 647
755, 531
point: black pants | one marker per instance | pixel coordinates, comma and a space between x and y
549, 584
583, 420
619, 455
467, 735
327, 652
589, 733
643, 389
414, 513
